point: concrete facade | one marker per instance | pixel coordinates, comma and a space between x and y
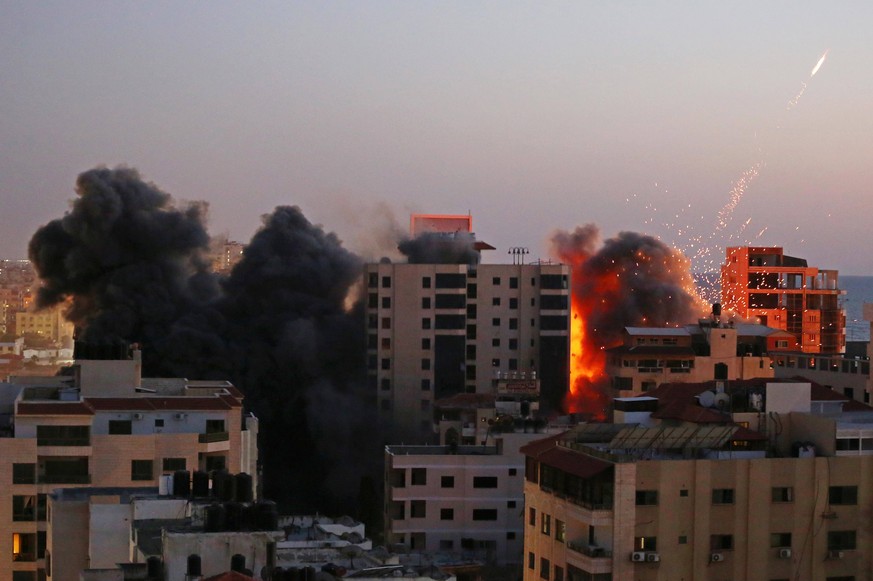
435, 330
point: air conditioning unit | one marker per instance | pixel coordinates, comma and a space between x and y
653, 557
138, 416
835, 554
716, 558
784, 553
180, 416
638, 557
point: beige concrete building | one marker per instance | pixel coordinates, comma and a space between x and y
778, 489
435, 330
650, 356
105, 425
49, 323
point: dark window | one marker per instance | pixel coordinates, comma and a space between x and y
532, 517
513, 323
425, 302
372, 321
780, 540
471, 311
120, 427
484, 482
546, 524
447, 514
559, 574
454, 301
386, 342
841, 540
372, 342
215, 426
471, 291
495, 281
553, 302
510, 536
386, 363
425, 406
447, 544
386, 322
471, 332
63, 435
418, 477
782, 494
386, 282
513, 303
513, 364
553, 281
721, 542
471, 352
456, 322
647, 497
843, 495
417, 509
215, 463
645, 543
386, 302
425, 323
471, 372
173, 464
554, 323
545, 568
159, 423
425, 282
513, 344
531, 561
372, 279
510, 504
495, 322
372, 301
513, 471
425, 343
141, 470
451, 280
385, 384
495, 342
484, 514
495, 362
513, 282
447, 482
723, 496
683, 492
425, 385
495, 301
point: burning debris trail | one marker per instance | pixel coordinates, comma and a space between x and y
131, 265
629, 280
793, 102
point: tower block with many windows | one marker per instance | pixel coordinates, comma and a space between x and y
786, 293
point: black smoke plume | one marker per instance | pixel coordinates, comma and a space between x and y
131, 264
440, 248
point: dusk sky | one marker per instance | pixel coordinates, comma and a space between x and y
531, 116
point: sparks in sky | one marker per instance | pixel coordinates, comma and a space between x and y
803, 85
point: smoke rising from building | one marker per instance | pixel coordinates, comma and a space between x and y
132, 266
440, 248
629, 280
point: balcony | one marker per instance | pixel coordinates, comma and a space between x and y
592, 551
589, 558
64, 479
211, 437
76, 441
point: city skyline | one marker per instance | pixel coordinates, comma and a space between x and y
701, 124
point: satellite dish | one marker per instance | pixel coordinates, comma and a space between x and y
722, 401
707, 399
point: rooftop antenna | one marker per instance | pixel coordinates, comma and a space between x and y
518, 253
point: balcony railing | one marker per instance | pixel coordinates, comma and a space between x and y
85, 441
214, 437
592, 551
64, 479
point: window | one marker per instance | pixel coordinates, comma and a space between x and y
495, 301
386, 282
173, 464
425, 385
141, 470
495, 322
425, 282
417, 509
484, 482
560, 530
546, 524
782, 494
451, 280
531, 561
513, 282
559, 574
386, 322
63, 435
510, 504
843, 495
447, 514
513, 344
495, 281
386, 302
386, 342
24, 547
513, 303
425, 303
723, 496
721, 542
425, 323
386, 363
120, 427
513, 471
447, 544
371, 342
645, 543
419, 476
425, 364
683, 540
841, 540
23, 473
683, 492
215, 463
484, 514
545, 568
159, 423
385, 384
780, 540
28, 508
495, 342
425, 344
532, 517
510, 536
647, 497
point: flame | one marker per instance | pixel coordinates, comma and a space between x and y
587, 368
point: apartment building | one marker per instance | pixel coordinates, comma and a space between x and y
758, 480
784, 292
650, 356
434, 330
103, 425
48, 323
